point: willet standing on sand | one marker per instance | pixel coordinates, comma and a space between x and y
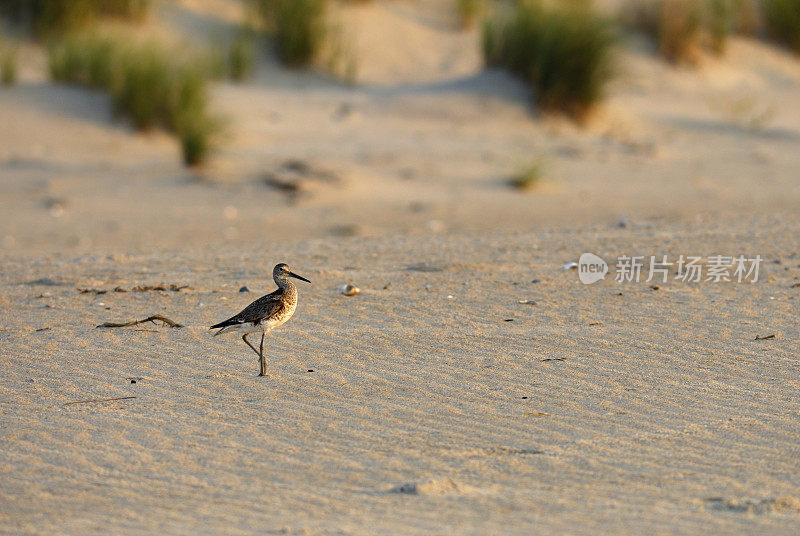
266, 313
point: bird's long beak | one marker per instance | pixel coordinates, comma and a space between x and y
301, 278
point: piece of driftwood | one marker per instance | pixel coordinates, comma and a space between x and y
153, 318
764, 338
99, 400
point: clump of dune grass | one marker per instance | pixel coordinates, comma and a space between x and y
8, 65
150, 85
156, 90
197, 130
87, 59
469, 11
565, 53
129, 9
683, 29
241, 57
197, 133
144, 86
299, 28
56, 17
340, 53
720, 23
528, 177
641, 15
747, 17
679, 30
782, 19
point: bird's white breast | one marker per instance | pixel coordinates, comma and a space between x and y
282, 316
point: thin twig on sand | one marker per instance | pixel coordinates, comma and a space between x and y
98, 400
153, 318
169, 288
764, 338
172, 287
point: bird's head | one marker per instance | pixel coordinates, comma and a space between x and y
282, 271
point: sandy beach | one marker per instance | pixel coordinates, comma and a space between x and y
584, 411
475, 385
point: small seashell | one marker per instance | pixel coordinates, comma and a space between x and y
570, 266
349, 289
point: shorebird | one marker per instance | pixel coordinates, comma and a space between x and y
266, 313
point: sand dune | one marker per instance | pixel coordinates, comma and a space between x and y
413, 155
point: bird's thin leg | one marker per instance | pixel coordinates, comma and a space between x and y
244, 338
261, 357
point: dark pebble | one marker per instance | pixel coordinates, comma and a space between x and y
244, 289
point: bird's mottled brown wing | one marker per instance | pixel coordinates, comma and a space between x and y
262, 308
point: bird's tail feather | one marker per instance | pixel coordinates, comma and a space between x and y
223, 329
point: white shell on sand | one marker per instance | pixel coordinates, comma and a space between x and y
349, 289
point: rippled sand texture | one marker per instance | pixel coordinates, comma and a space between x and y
473, 386
438, 403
